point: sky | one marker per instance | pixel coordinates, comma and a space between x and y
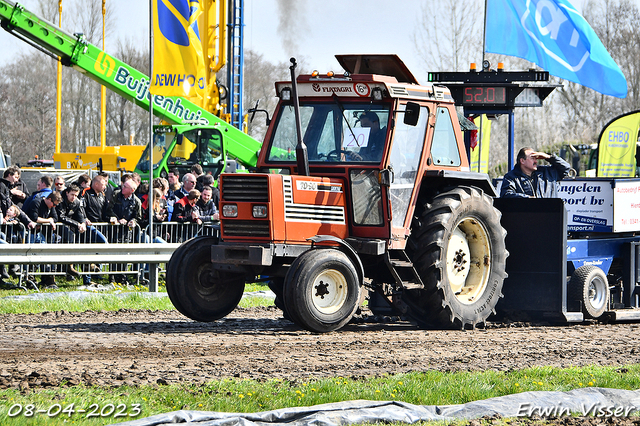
314, 30
319, 29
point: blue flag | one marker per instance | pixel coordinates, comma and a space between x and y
553, 35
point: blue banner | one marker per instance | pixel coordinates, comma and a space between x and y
553, 35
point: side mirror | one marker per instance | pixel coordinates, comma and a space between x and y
411, 114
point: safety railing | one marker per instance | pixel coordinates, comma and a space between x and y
102, 249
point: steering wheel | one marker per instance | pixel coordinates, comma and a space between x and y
333, 155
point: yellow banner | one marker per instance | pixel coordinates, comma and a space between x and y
178, 64
482, 145
617, 147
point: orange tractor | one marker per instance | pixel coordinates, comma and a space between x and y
362, 189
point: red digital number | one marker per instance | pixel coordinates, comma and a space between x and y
484, 95
479, 95
491, 94
468, 96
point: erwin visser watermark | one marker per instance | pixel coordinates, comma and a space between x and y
597, 410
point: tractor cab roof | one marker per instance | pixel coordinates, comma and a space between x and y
364, 75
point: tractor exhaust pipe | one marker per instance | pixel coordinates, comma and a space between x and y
302, 158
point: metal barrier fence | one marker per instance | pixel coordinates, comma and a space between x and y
103, 249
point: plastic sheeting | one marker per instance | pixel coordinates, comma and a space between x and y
600, 402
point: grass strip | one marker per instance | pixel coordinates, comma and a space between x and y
238, 395
121, 298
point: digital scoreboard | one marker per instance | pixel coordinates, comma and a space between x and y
496, 90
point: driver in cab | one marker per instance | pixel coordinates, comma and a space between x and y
375, 144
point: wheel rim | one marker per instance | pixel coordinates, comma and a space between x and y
329, 291
597, 292
468, 260
207, 281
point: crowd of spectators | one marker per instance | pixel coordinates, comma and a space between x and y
68, 212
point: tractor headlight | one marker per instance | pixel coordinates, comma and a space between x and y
230, 210
259, 212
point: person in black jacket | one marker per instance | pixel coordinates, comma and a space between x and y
94, 200
10, 192
125, 211
14, 234
72, 214
206, 210
183, 209
528, 180
125, 208
43, 212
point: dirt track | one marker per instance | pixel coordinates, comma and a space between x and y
139, 347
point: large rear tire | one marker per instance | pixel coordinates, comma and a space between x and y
590, 286
321, 290
196, 289
458, 248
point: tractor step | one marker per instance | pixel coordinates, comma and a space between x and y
401, 263
402, 270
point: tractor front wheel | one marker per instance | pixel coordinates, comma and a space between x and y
321, 290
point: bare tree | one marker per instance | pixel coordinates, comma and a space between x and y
29, 107
126, 121
449, 34
260, 76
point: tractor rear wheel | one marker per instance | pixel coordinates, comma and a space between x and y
590, 286
172, 271
196, 289
458, 248
321, 290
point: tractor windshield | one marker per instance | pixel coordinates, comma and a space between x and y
350, 132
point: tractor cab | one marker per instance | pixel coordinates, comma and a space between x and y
369, 131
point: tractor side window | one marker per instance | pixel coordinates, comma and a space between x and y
405, 160
444, 148
367, 197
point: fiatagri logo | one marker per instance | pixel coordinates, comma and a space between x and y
360, 89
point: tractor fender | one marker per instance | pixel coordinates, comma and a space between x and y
346, 248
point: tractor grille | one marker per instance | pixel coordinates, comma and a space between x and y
246, 228
245, 187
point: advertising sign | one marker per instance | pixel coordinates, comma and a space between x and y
626, 198
589, 205
617, 146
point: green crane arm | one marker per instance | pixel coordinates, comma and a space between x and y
119, 77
